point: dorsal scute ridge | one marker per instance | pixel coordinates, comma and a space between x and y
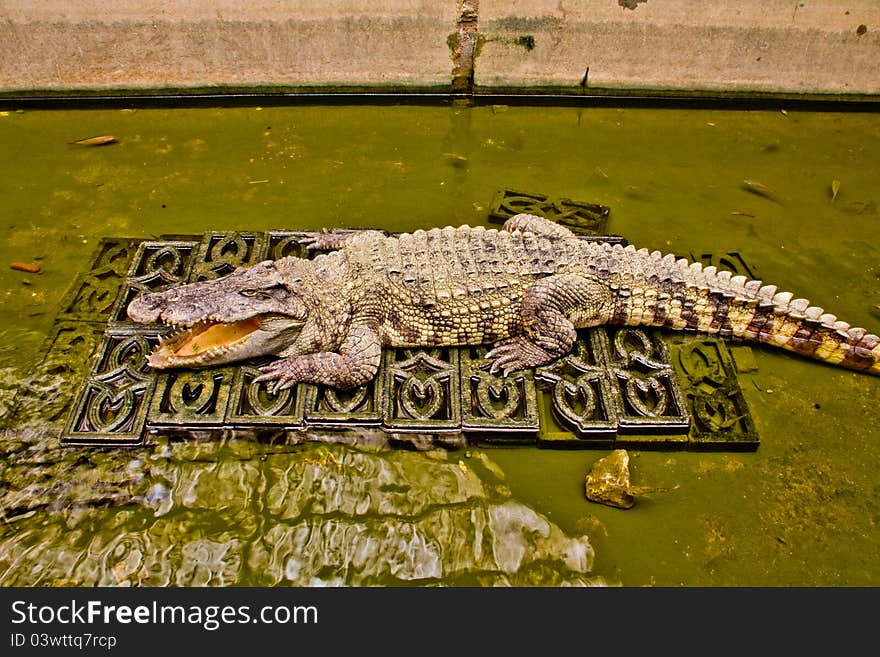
767, 293
782, 300
813, 313
798, 306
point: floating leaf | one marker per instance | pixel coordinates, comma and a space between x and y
835, 187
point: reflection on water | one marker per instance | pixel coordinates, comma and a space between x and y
238, 512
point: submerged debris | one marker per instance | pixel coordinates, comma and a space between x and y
762, 190
456, 160
857, 207
29, 267
100, 140
835, 188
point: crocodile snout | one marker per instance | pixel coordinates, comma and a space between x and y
144, 309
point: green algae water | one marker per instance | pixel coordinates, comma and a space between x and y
795, 192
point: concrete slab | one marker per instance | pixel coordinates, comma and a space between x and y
750, 45
128, 44
523, 46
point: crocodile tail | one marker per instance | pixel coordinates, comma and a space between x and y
675, 293
795, 325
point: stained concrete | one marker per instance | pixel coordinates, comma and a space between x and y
749, 45
85, 44
828, 47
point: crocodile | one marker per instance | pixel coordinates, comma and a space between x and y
524, 288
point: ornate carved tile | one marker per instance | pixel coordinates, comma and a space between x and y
220, 253
93, 294
420, 389
155, 266
720, 416
579, 216
191, 398
493, 404
114, 397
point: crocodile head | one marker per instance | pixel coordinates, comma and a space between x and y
253, 311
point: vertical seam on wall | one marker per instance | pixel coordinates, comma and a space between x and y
464, 46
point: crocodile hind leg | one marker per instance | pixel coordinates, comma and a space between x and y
552, 309
532, 223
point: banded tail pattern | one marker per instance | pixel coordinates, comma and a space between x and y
674, 293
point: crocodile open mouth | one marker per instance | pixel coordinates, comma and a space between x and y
203, 343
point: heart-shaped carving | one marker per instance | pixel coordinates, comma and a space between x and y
646, 397
112, 409
421, 399
190, 393
575, 400
497, 399
341, 401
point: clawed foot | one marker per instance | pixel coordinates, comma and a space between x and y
281, 372
516, 353
322, 241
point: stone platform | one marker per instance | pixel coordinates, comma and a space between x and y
620, 387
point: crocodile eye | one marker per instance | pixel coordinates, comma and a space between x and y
249, 293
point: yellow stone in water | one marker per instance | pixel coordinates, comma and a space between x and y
609, 482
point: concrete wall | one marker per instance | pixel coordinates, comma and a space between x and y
747, 45
830, 47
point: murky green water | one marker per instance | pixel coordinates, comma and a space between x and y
802, 510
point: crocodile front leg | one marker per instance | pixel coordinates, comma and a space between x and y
552, 308
334, 240
356, 363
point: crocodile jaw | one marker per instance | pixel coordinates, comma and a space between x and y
208, 343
